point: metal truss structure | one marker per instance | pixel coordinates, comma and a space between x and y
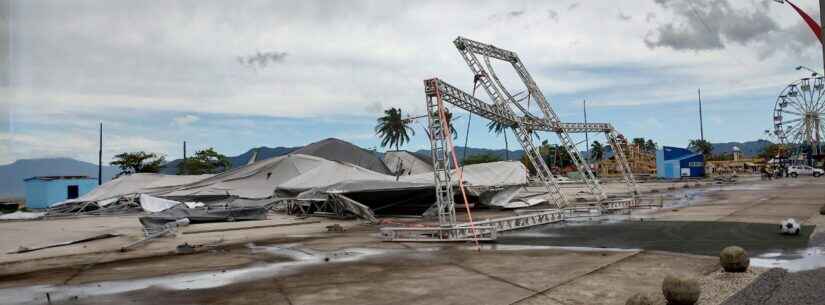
507, 110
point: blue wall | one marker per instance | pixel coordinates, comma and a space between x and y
42, 193
671, 160
695, 163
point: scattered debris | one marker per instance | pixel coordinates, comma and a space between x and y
335, 228
153, 232
23, 249
23, 216
184, 248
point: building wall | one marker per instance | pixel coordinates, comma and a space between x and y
695, 164
40, 193
671, 160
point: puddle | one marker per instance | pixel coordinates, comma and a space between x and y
197, 280
805, 259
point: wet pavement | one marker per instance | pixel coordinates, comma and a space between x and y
702, 238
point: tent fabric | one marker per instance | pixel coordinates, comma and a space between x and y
140, 183
403, 163
338, 150
22, 215
294, 173
154, 204
500, 173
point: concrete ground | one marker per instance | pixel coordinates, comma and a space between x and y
299, 262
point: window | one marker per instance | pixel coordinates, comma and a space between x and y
696, 164
72, 192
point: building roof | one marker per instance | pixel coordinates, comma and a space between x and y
50, 178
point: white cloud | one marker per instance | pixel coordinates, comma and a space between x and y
344, 59
185, 120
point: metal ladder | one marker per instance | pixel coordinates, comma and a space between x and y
441, 163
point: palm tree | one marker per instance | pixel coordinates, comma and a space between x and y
393, 129
596, 151
499, 128
701, 146
450, 120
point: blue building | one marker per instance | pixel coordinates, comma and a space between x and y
675, 163
43, 191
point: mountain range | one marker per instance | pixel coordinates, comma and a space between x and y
12, 175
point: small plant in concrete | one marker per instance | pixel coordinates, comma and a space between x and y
640, 299
680, 290
734, 259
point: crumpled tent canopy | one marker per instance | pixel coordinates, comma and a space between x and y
403, 163
303, 177
296, 173
140, 183
293, 172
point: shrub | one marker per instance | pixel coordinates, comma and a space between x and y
734, 259
679, 290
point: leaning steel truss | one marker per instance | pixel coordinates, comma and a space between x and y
507, 110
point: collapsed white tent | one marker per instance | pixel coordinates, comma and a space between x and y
293, 172
134, 184
404, 163
287, 177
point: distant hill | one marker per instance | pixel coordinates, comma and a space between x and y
12, 175
500, 153
749, 148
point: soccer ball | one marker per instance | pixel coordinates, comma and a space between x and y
789, 226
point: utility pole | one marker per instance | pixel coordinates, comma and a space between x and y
183, 163
100, 157
701, 125
586, 139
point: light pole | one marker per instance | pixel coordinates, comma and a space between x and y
813, 73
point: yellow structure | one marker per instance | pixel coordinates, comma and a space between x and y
640, 161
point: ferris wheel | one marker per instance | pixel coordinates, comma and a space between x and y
798, 114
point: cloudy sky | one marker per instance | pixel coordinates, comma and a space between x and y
284, 73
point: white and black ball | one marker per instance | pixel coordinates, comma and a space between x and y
789, 227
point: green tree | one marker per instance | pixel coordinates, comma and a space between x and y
138, 162
651, 146
206, 161
554, 156
772, 151
393, 129
485, 158
639, 142
498, 129
701, 146
596, 151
